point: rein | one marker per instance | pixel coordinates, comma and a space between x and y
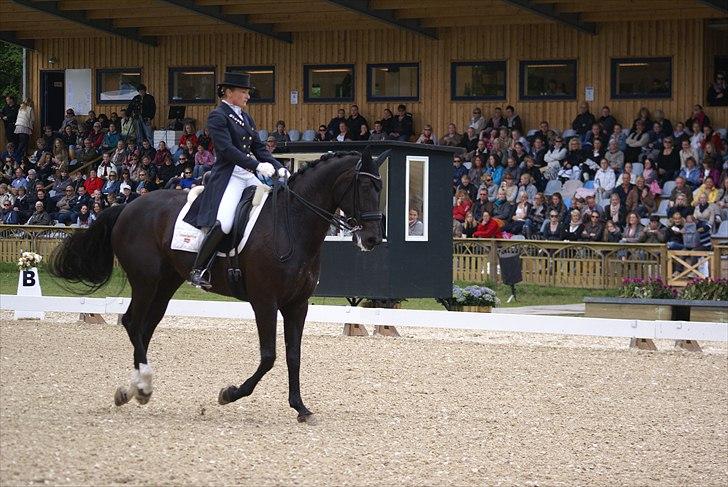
350, 224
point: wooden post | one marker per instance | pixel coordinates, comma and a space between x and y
642, 344
354, 330
688, 345
386, 331
92, 318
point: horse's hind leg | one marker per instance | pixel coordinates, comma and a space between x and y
266, 316
145, 312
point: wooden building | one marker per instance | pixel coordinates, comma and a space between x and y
439, 58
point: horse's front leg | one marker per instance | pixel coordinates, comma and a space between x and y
266, 316
294, 317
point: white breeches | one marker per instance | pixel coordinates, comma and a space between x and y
239, 180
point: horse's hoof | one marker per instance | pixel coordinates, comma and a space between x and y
142, 397
307, 418
224, 396
121, 396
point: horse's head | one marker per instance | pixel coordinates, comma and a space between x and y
361, 203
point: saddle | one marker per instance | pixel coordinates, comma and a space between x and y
242, 213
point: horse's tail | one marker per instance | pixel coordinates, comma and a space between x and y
86, 256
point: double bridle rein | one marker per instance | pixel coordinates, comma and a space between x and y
351, 224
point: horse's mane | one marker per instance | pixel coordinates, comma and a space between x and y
312, 164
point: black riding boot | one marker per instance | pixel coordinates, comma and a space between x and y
200, 275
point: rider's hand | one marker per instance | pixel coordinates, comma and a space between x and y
283, 173
265, 169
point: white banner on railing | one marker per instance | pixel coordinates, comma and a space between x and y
560, 325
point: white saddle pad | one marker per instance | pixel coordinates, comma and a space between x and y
189, 238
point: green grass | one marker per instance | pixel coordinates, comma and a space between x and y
528, 294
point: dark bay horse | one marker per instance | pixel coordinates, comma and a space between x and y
140, 234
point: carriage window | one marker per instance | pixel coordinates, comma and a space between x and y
117, 85
333, 82
192, 85
548, 80
641, 78
342, 235
416, 197
263, 79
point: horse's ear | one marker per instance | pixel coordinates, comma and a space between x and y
382, 157
366, 157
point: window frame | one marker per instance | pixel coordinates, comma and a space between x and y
523, 64
100, 72
271, 67
373, 98
308, 67
177, 69
644, 96
425, 160
453, 80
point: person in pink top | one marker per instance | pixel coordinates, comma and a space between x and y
203, 161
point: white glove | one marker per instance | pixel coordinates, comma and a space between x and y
265, 169
283, 173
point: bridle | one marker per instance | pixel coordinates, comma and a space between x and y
352, 223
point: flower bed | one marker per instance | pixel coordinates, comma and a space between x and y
471, 298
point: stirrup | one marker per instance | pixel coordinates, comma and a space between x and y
197, 278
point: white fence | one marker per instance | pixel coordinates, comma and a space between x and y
560, 325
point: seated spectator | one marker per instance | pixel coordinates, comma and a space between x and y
111, 139
710, 171
204, 160
537, 178
604, 180
279, 133
698, 117
188, 133
697, 137
477, 121
680, 134
494, 169
83, 218
128, 126
640, 199
470, 225
488, 185
654, 232
655, 145
570, 165
643, 116
166, 172
462, 206
482, 203
632, 229
722, 203
452, 138
146, 182
612, 232
427, 137
526, 187
708, 189
470, 140
615, 210
583, 121
594, 134
87, 153
536, 216
705, 211
378, 132
681, 187
512, 169
187, 181
126, 194
510, 188
388, 121
650, 174
468, 187
637, 140
60, 181
538, 152
358, 125
9, 215
552, 228
119, 156
572, 231
22, 204
592, 230
403, 125
321, 134
518, 153
488, 228
680, 205
147, 150
502, 209
691, 174
105, 166
458, 170
415, 227
607, 121
593, 158
344, 134
40, 217
480, 150
668, 161
68, 137
477, 170
553, 159
546, 134
163, 153
93, 182
334, 126
620, 137
496, 121
96, 136
64, 211
675, 232
111, 185
625, 187
513, 121
520, 216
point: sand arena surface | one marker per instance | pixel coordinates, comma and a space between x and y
439, 407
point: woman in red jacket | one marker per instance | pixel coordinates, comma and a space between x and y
488, 228
462, 206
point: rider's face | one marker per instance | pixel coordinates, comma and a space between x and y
239, 96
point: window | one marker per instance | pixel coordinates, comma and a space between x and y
263, 79
331, 82
342, 235
641, 78
416, 212
393, 82
548, 80
192, 85
478, 80
117, 85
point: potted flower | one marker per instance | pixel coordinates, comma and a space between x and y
477, 299
29, 283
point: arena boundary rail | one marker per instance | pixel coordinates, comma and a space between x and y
497, 322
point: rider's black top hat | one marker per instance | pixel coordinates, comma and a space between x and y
236, 80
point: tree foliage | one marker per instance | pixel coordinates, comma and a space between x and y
11, 70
